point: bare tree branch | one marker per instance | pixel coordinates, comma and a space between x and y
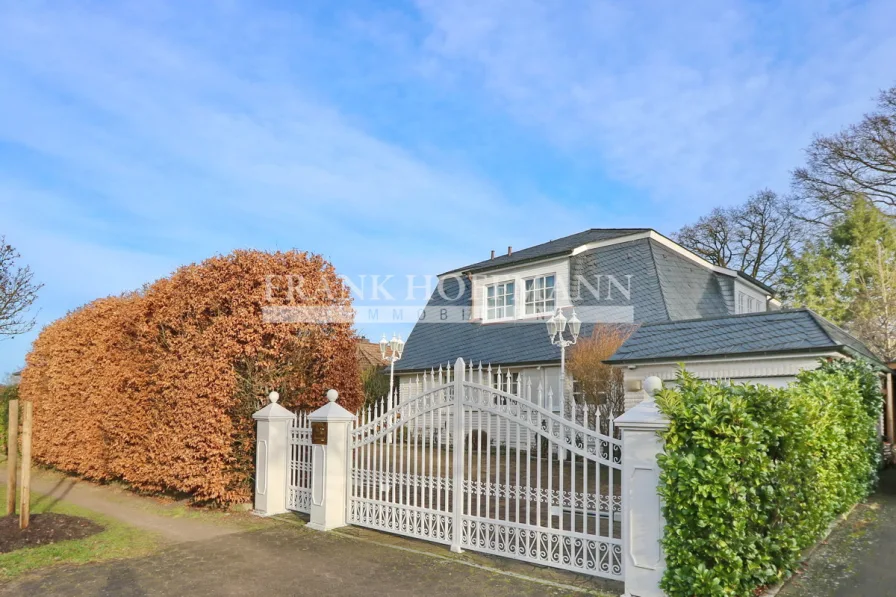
861, 159
17, 293
753, 238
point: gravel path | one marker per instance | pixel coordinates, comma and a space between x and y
127, 507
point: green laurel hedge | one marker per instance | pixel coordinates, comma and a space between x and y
753, 475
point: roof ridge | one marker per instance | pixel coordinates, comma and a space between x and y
659, 279
821, 326
824, 322
503, 260
583, 232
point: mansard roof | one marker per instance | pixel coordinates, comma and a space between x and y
667, 284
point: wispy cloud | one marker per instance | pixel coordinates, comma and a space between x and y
398, 139
706, 100
136, 139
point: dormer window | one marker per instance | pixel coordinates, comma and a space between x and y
500, 301
539, 295
748, 304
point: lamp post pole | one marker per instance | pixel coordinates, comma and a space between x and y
395, 347
391, 381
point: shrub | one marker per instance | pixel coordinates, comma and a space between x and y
752, 475
375, 383
157, 387
596, 382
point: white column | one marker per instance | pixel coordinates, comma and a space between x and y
331, 466
642, 518
272, 457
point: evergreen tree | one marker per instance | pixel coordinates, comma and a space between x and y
849, 276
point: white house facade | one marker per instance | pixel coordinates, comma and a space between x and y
494, 312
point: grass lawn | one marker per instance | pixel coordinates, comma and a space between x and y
118, 540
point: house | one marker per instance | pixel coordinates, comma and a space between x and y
494, 311
369, 356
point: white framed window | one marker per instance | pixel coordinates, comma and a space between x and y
748, 304
539, 297
499, 300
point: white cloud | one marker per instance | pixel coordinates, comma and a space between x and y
143, 139
173, 133
698, 101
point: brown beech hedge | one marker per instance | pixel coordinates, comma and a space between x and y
157, 387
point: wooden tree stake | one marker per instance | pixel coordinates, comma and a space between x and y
12, 452
25, 506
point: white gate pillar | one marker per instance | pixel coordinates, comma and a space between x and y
330, 464
272, 457
642, 517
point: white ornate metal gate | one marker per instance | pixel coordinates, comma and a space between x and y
475, 467
298, 482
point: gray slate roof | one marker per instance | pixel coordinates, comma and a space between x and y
771, 332
560, 246
664, 286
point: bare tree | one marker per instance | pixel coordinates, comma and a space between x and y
17, 293
599, 384
754, 238
711, 237
860, 159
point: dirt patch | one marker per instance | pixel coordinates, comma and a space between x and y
43, 530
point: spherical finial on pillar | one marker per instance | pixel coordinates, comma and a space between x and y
652, 385
274, 397
332, 395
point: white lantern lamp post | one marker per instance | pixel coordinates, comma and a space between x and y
560, 336
393, 348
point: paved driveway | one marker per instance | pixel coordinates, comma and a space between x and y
282, 560
857, 559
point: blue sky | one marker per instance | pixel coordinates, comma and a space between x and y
399, 138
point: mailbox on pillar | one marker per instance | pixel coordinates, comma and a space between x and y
330, 453
319, 433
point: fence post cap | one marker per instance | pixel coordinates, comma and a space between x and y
273, 412
652, 385
274, 397
645, 415
331, 411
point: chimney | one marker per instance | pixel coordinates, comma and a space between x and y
493, 254
509, 250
